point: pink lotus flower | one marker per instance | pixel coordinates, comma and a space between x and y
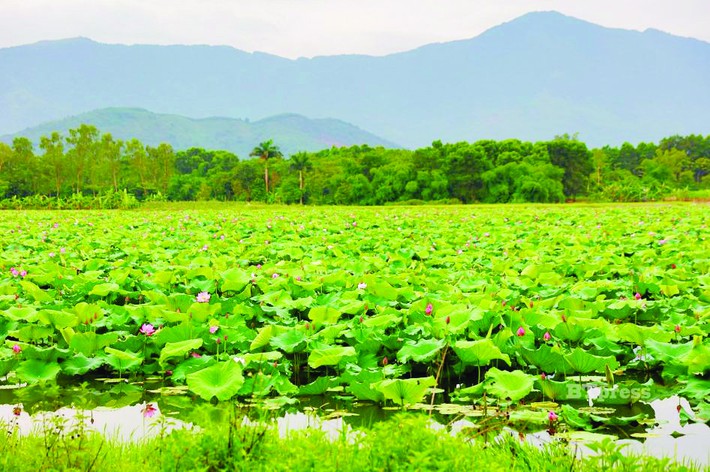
147, 329
275, 275
213, 329
429, 309
521, 331
546, 336
362, 285
23, 273
552, 416
14, 272
298, 278
149, 411
16, 348
196, 355
203, 297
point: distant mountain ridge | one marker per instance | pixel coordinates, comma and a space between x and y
291, 132
532, 78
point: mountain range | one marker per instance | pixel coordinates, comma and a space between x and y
291, 132
535, 77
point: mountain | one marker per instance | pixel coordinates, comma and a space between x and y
535, 77
291, 132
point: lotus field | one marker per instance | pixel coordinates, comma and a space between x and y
565, 318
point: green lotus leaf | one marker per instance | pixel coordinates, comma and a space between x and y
404, 391
258, 357
264, 336
104, 289
564, 390
321, 315
318, 386
330, 356
122, 360
421, 351
364, 391
667, 352
548, 359
178, 349
698, 359
90, 342
35, 371
35, 292
235, 280
80, 364
514, 385
584, 362
58, 319
293, 340
640, 334
479, 353
26, 313
32, 332
381, 321
222, 380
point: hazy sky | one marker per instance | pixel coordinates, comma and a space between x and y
294, 28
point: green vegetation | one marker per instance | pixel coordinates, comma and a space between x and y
497, 309
402, 443
87, 163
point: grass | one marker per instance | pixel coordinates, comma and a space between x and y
405, 442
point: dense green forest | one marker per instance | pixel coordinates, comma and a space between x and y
87, 163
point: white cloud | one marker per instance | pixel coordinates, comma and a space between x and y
295, 28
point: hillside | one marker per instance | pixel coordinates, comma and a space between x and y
532, 78
291, 132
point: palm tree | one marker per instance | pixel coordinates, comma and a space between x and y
266, 150
301, 163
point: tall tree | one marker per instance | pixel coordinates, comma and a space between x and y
111, 157
54, 159
265, 151
138, 159
301, 163
24, 175
576, 160
162, 163
83, 152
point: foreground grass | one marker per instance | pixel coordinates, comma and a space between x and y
401, 443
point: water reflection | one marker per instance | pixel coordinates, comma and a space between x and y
130, 413
128, 423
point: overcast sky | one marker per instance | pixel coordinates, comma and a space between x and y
294, 28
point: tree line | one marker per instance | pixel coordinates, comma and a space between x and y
88, 162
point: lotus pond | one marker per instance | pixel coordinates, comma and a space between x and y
565, 319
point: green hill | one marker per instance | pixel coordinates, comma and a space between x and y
291, 132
